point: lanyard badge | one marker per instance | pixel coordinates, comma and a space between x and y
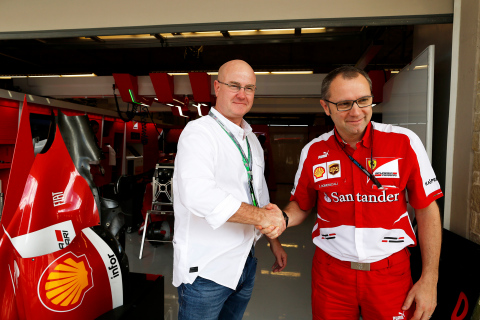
247, 161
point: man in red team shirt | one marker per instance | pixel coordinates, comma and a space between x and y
357, 175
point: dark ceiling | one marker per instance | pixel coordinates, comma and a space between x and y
386, 48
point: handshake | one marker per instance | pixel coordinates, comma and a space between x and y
272, 222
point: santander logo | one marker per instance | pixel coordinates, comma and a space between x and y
65, 282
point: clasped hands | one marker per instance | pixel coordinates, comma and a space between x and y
273, 223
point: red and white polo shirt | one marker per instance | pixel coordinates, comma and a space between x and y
356, 221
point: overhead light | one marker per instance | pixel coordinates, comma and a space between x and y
120, 37
208, 33
242, 31
292, 72
262, 72
179, 101
314, 30
46, 76
197, 34
78, 75
394, 71
212, 73
178, 73
11, 77
275, 30
421, 67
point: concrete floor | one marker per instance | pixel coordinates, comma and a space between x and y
276, 296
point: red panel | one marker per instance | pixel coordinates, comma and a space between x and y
173, 135
40, 109
204, 110
9, 124
201, 87
136, 128
164, 86
150, 150
378, 77
124, 83
8, 103
23, 158
92, 116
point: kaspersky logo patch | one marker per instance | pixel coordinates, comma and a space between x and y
65, 282
384, 167
327, 170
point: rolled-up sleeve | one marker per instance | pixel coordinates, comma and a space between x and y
198, 190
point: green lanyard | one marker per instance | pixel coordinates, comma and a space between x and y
247, 162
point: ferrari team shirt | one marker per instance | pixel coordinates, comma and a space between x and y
209, 184
355, 220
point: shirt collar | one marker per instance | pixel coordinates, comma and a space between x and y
241, 132
366, 140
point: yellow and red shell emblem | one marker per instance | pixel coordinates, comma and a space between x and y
64, 283
318, 173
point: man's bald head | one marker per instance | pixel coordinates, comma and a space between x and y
233, 66
233, 102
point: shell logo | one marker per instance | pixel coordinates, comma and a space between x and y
65, 282
318, 173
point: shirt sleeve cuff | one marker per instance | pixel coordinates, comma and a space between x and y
223, 211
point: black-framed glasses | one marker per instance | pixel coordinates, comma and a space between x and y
346, 105
249, 89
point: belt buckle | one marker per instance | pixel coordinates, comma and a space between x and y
360, 266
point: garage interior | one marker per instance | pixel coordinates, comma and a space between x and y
309, 52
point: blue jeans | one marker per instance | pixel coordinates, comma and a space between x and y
207, 300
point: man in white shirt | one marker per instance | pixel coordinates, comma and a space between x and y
219, 191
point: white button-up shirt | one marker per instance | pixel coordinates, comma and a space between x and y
209, 184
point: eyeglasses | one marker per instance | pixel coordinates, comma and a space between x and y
346, 105
249, 89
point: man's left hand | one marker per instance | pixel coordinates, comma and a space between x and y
424, 294
280, 255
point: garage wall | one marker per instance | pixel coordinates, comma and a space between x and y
28, 15
461, 195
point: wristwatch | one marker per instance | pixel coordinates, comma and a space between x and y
286, 218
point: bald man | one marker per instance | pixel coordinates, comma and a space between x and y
220, 196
